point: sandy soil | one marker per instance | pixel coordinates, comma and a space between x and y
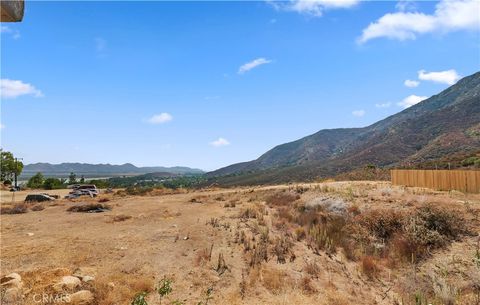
167, 236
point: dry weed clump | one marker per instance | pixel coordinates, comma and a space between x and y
203, 256
275, 280
307, 286
327, 235
312, 268
90, 208
281, 199
121, 217
104, 199
369, 266
282, 248
18, 208
38, 207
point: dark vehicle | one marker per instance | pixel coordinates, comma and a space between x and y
38, 198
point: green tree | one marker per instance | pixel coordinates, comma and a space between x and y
72, 179
36, 181
53, 183
9, 166
82, 179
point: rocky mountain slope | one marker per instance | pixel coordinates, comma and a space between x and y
442, 125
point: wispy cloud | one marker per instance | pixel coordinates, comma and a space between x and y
312, 7
411, 83
411, 100
10, 89
358, 113
449, 15
220, 142
2, 126
383, 105
253, 64
448, 77
7, 30
161, 118
101, 47
406, 5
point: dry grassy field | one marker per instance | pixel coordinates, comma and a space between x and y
331, 243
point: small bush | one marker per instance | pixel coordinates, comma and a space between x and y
140, 299
102, 200
381, 223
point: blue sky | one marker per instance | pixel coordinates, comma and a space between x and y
162, 83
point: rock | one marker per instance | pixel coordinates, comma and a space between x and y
88, 278
111, 285
67, 283
30, 234
86, 274
13, 280
82, 297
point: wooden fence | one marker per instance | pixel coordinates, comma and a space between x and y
443, 180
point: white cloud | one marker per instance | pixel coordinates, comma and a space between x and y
2, 126
7, 30
383, 105
448, 77
220, 142
313, 7
358, 113
10, 89
411, 83
253, 64
411, 100
160, 118
449, 15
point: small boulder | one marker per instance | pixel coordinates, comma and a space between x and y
67, 283
86, 274
82, 297
87, 278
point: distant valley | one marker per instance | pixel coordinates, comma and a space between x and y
62, 170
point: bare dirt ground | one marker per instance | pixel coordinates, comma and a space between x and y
283, 244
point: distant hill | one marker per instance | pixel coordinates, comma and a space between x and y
101, 170
443, 125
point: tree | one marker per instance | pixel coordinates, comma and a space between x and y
36, 181
72, 179
53, 183
82, 179
9, 166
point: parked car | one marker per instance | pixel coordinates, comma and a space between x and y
38, 198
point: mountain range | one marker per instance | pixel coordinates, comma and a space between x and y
443, 125
101, 170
